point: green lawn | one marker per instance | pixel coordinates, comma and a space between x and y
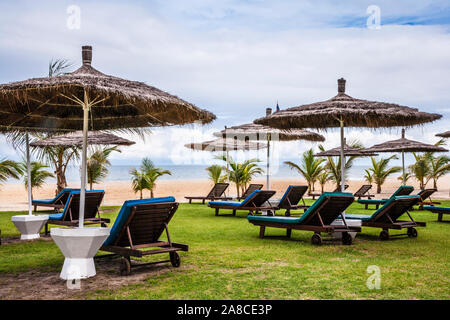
227, 260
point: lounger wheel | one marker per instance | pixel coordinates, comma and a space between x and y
412, 232
346, 238
316, 239
125, 267
175, 259
384, 235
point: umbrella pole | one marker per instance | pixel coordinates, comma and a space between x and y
83, 161
403, 166
342, 157
268, 163
30, 211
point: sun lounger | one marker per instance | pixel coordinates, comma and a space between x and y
137, 229
216, 193
57, 202
318, 218
363, 192
69, 216
425, 198
254, 203
402, 191
249, 191
386, 217
439, 210
291, 198
338, 189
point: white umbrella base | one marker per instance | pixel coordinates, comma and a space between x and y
350, 223
29, 226
79, 246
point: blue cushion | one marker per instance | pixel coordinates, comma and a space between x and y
56, 216
277, 219
431, 208
363, 217
286, 193
60, 216
57, 196
125, 212
367, 217
234, 203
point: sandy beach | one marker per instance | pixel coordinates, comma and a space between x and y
13, 196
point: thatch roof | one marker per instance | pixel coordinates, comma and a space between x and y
405, 145
47, 102
255, 132
348, 151
354, 112
76, 139
445, 134
226, 145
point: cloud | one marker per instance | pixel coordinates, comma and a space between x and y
235, 58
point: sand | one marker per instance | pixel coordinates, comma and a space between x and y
13, 196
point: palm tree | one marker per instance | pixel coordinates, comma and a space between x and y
215, 173
139, 181
9, 169
368, 176
310, 167
323, 178
335, 167
97, 164
145, 179
380, 170
439, 167
38, 174
421, 169
242, 173
405, 177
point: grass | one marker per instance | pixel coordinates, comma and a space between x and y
227, 260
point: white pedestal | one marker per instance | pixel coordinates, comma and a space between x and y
350, 223
29, 226
79, 246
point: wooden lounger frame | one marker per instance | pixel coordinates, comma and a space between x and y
138, 234
57, 203
251, 188
363, 192
92, 213
424, 195
288, 205
252, 208
314, 222
317, 194
384, 220
214, 194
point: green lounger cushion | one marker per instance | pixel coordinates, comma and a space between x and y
310, 210
437, 209
402, 190
368, 217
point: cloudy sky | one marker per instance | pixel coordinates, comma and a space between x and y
237, 57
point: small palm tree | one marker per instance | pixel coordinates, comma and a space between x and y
145, 178
421, 169
242, 173
405, 177
9, 169
38, 174
368, 176
323, 178
439, 167
380, 170
310, 167
97, 164
215, 173
139, 181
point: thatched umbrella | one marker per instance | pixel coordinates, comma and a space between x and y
348, 151
226, 145
64, 103
404, 145
445, 134
343, 110
257, 132
76, 139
